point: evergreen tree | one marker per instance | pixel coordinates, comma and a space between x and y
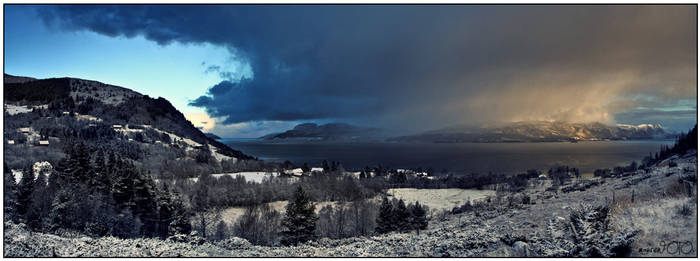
180, 220
126, 225
63, 208
40, 203
201, 202
9, 194
385, 223
24, 192
418, 218
102, 181
300, 219
145, 206
78, 169
401, 217
102, 216
221, 231
325, 166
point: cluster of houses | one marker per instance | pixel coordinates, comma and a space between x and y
299, 172
27, 131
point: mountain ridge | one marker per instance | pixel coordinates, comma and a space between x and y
326, 132
538, 131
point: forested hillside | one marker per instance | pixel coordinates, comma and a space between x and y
43, 116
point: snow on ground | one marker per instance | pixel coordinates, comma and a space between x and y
435, 199
14, 109
191, 144
17, 109
250, 176
231, 215
492, 232
440, 199
87, 117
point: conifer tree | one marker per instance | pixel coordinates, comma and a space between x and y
40, 203
221, 231
385, 223
9, 193
418, 218
24, 192
299, 222
401, 217
201, 202
180, 220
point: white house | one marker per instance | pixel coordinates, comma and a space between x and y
24, 130
117, 126
10, 142
316, 169
297, 172
43, 143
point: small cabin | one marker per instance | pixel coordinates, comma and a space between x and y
316, 169
117, 126
24, 130
11, 142
66, 113
43, 143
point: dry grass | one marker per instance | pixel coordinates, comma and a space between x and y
673, 188
661, 221
440, 199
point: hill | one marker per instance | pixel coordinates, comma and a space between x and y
541, 131
149, 131
325, 132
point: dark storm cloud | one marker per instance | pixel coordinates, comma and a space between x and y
421, 67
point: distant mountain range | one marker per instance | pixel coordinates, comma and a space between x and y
325, 132
540, 131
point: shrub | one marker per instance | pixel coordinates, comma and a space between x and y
686, 210
588, 229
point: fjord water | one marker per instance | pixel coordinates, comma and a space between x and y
458, 157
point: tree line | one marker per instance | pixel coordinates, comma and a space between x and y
97, 193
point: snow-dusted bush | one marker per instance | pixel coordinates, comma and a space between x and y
233, 243
587, 233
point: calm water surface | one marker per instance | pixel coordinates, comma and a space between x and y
460, 157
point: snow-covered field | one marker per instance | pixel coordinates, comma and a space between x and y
17, 109
435, 199
231, 215
440, 199
14, 109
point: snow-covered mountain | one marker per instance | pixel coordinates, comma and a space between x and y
46, 114
539, 131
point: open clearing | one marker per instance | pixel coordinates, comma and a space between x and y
435, 199
440, 199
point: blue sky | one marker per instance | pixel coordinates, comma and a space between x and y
250, 70
173, 71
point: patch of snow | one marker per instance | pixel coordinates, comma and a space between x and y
250, 176
444, 199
